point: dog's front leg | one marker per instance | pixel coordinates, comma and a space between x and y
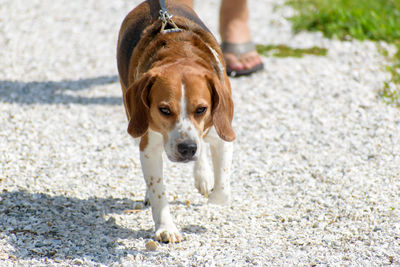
151, 148
202, 172
221, 153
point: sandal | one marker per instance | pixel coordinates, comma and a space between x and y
239, 50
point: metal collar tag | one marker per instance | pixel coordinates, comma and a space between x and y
166, 19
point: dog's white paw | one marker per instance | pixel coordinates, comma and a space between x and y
220, 197
168, 234
202, 181
203, 185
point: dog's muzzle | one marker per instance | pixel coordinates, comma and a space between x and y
187, 151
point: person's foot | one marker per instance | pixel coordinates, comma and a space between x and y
244, 62
240, 54
241, 59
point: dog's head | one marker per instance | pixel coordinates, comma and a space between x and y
181, 104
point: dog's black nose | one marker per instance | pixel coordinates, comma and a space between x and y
187, 150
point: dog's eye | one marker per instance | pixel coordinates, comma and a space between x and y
201, 110
165, 111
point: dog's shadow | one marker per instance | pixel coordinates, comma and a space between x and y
54, 92
59, 227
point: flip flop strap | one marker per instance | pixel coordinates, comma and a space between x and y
238, 49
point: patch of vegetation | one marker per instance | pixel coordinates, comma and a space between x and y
376, 20
286, 51
390, 92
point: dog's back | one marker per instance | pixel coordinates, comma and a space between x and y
146, 14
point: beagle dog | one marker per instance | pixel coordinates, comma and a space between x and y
177, 96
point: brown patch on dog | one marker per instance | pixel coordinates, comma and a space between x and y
144, 141
159, 180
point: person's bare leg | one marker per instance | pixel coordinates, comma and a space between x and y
234, 28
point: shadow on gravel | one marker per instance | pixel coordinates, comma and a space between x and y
55, 92
42, 226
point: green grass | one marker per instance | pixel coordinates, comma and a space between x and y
377, 20
286, 51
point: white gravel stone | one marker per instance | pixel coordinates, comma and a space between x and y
316, 164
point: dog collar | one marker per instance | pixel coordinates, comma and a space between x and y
166, 19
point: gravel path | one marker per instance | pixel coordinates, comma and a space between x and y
316, 163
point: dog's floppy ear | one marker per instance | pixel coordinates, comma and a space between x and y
138, 105
222, 110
